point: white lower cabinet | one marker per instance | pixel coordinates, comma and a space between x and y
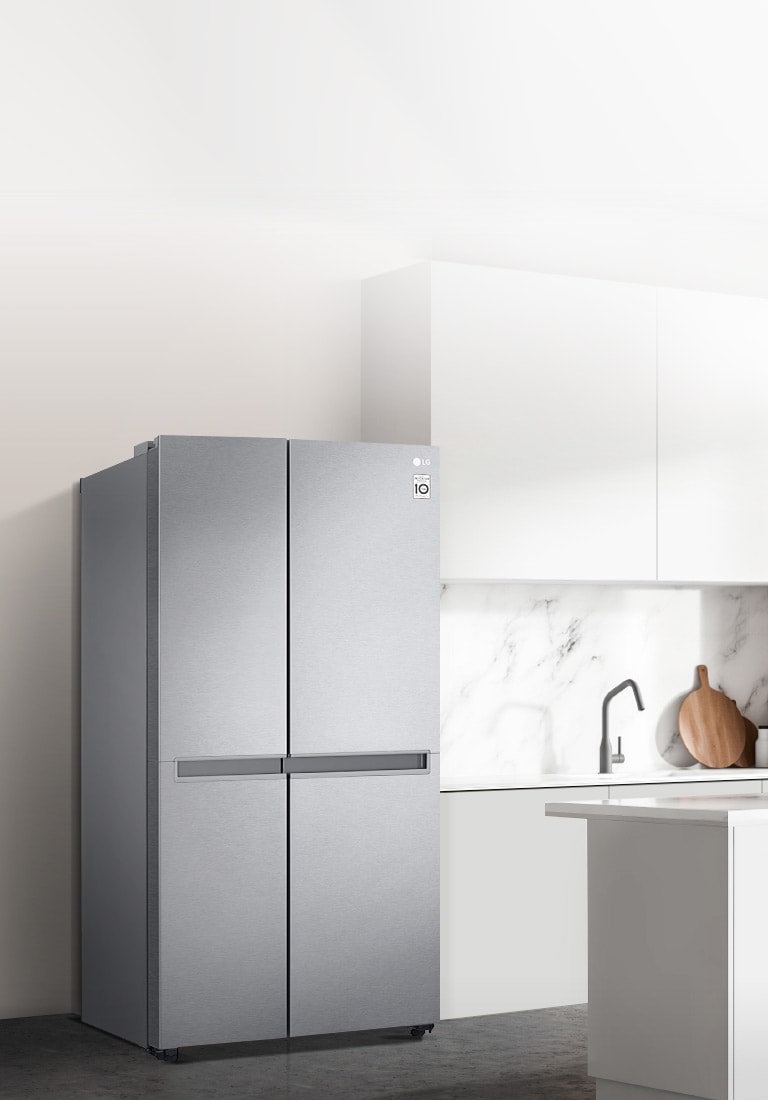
514, 894
513, 902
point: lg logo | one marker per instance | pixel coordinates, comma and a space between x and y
422, 461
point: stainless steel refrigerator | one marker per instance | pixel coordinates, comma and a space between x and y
260, 822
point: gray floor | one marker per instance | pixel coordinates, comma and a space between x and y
523, 1055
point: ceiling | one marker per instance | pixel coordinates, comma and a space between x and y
619, 138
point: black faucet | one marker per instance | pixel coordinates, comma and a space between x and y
608, 758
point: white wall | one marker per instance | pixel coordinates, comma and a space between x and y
190, 192
117, 326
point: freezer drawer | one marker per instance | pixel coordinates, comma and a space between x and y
218, 914
364, 887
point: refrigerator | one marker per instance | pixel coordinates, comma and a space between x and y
260, 740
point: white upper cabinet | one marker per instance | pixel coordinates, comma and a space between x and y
544, 406
713, 437
543, 401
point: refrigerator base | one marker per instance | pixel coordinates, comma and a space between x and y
173, 1054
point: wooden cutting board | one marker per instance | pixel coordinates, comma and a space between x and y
747, 758
710, 725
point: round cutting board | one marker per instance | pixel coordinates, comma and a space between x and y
747, 758
710, 725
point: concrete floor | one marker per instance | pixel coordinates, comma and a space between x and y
517, 1056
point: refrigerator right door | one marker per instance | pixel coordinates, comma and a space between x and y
365, 902
363, 736
364, 586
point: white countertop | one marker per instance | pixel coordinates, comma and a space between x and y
696, 774
722, 810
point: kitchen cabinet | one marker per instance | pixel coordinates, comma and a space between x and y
677, 989
713, 436
513, 903
543, 393
540, 391
514, 894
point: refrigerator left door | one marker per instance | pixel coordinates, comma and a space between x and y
222, 907
217, 838
221, 596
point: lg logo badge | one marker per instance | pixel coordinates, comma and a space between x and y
422, 483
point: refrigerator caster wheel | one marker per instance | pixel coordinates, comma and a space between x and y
169, 1055
419, 1031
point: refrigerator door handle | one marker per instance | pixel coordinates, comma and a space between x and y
366, 763
230, 767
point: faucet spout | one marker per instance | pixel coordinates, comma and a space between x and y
607, 757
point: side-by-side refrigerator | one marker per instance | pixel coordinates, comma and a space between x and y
260, 738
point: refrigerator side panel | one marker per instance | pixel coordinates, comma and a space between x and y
364, 597
222, 596
365, 902
222, 948
114, 747
153, 839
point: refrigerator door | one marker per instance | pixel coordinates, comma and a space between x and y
364, 597
220, 943
365, 905
222, 596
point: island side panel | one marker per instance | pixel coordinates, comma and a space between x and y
658, 956
750, 962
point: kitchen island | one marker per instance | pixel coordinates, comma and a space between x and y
678, 946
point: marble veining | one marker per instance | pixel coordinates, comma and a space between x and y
524, 669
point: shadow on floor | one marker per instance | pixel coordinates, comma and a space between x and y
537, 1055
270, 1048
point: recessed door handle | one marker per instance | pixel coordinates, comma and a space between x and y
369, 762
222, 766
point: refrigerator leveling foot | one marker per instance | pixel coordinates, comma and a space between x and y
171, 1054
418, 1030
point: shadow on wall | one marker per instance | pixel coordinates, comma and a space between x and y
668, 742
39, 758
734, 630
732, 642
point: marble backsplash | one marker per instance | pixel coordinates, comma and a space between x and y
524, 669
